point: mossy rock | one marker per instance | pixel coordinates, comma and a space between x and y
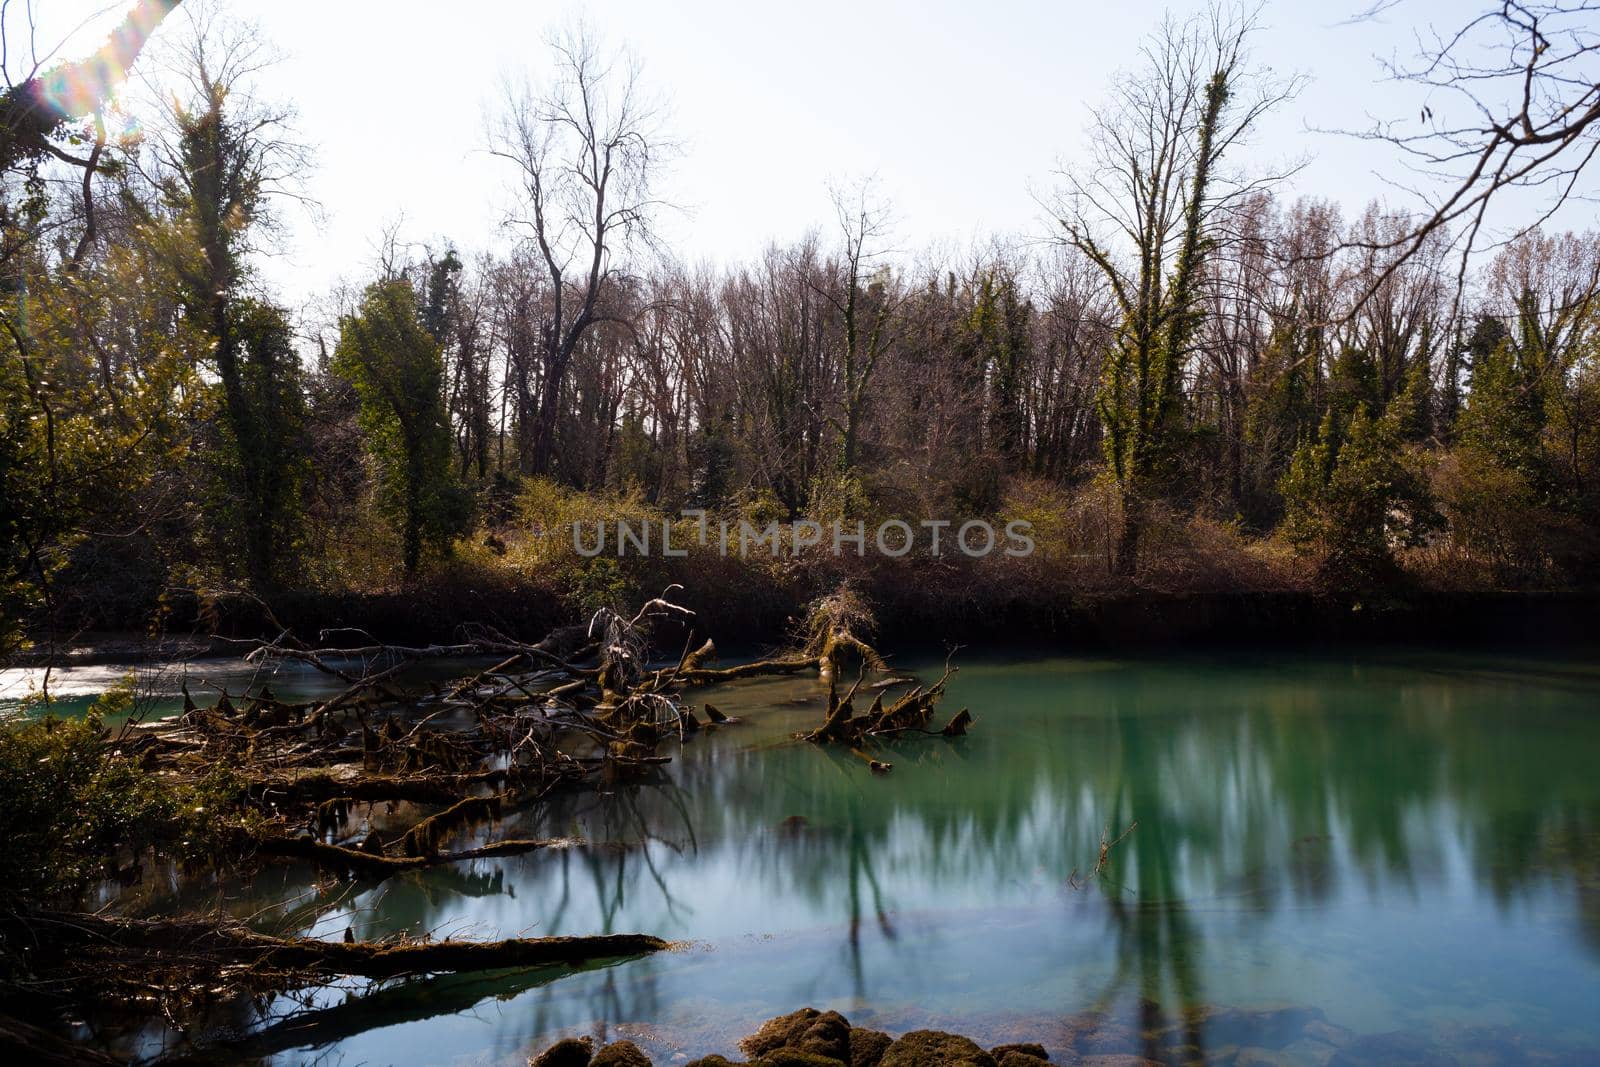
568, 1052
715, 1061
778, 1033
828, 1035
620, 1054
1026, 1055
868, 1046
934, 1048
793, 1057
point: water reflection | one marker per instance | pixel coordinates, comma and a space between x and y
1403, 845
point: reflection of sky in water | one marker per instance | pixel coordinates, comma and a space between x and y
160, 685
1404, 843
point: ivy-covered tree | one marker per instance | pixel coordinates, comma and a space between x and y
263, 463
395, 367
217, 165
999, 328
1143, 215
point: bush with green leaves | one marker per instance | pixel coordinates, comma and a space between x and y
75, 808
1354, 495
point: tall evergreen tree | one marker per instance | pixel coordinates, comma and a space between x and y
395, 367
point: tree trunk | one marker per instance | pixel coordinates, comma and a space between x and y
1125, 558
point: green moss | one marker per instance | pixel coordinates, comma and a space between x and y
568, 1052
621, 1054
934, 1048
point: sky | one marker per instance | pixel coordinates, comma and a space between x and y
963, 111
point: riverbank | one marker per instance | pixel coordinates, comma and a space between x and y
908, 619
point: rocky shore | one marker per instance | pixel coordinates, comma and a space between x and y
1209, 1036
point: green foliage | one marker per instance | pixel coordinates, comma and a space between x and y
712, 455
74, 808
263, 460
397, 371
444, 295
1505, 415
1282, 413
18, 595
1354, 495
598, 583
834, 496
1411, 410
1497, 520
1354, 382
545, 545
638, 459
999, 328
1510, 507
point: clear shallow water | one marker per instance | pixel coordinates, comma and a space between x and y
1405, 843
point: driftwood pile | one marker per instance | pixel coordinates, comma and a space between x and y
911, 713
583, 708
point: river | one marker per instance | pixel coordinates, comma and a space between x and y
1383, 851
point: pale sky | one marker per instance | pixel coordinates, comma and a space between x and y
962, 109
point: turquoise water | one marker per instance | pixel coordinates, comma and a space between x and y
1405, 846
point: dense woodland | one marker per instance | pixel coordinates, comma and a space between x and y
1201, 378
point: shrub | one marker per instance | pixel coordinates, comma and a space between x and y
1353, 496
1499, 521
73, 807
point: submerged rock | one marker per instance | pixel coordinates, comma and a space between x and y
1391, 1050
1258, 1028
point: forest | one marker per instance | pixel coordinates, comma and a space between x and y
370, 671
1197, 380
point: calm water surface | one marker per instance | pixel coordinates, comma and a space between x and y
1408, 844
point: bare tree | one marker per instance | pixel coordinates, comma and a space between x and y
866, 302
587, 151
1513, 103
37, 106
1143, 214
779, 334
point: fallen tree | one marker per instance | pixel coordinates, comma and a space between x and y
911, 713
253, 779
95, 940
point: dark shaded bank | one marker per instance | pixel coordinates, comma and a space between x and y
908, 621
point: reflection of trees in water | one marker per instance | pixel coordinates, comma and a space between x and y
1253, 791
413, 1001
1153, 930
